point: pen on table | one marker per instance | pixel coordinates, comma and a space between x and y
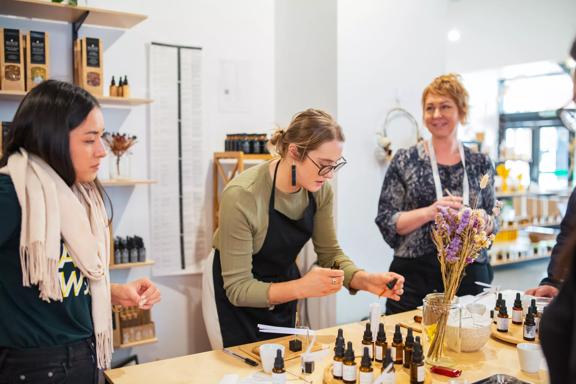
244, 359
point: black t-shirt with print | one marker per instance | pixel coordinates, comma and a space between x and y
26, 321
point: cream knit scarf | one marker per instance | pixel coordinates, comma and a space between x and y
51, 212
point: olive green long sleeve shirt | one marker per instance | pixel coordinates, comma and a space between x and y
243, 220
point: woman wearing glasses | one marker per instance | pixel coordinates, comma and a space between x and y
434, 173
267, 214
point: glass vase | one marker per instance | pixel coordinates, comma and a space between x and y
120, 167
441, 323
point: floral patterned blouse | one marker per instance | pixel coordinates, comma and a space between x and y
409, 185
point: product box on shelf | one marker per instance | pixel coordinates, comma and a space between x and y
131, 324
11, 60
88, 65
37, 58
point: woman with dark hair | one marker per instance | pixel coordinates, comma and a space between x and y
55, 291
558, 325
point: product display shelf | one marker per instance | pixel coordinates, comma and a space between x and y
42, 9
126, 182
520, 250
138, 343
221, 177
497, 263
106, 101
132, 265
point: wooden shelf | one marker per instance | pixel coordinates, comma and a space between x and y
132, 265
103, 100
122, 101
45, 10
497, 263
126, 182
138, 343
220, 177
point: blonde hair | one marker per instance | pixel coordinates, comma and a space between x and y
449, 85
307, 131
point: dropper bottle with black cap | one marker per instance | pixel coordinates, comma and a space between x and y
381, 345
408, 348
278, 372
367, 340
339, 338
397, 346
338, 359
417, 371
517, 310
349, 366
535, 312
366, 374
388, 368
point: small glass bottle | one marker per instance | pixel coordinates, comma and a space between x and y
338, 360
339, 339
113, 88
408, 348
417, 371
366, 374
529, 327
278, 372
397, 346
349, 366
125, 87
517, 311
497, 308
388, 361
381, 345
502, 320
535, 312
367, 341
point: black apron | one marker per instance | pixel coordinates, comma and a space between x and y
422, 276
276, 262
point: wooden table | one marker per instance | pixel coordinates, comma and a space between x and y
210, 367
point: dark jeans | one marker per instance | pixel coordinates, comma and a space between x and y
68, 364
422, 276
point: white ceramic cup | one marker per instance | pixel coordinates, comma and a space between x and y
530, 356
268, 354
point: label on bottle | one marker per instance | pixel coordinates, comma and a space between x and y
537, 321
379, 352
349, 373
503, 324
393, 353
420, 372
337, 369
529, 332
278, 378
366, 377
517, 316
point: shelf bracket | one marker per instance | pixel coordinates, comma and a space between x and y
76, 25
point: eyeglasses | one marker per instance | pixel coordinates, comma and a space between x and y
323, 170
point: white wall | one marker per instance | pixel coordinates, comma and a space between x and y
242, 32
386, 50
496, 33
306, 62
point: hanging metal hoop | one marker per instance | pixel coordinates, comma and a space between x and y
384, 142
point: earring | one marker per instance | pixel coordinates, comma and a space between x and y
293, 174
